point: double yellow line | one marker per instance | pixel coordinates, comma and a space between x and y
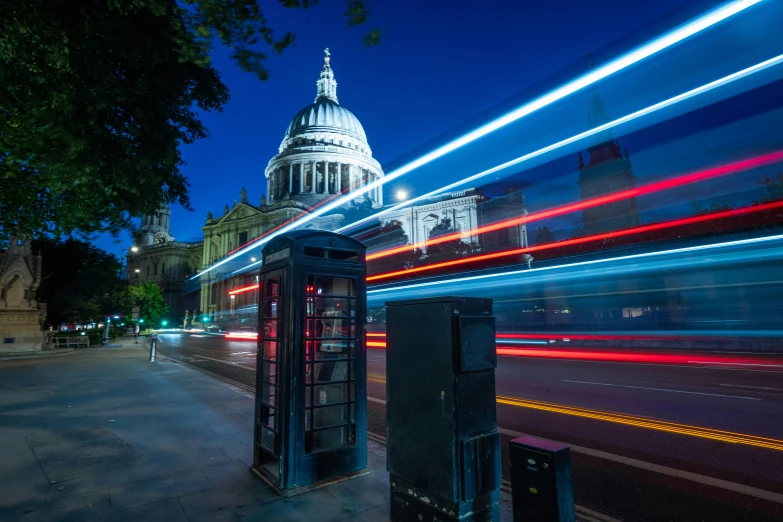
633, 420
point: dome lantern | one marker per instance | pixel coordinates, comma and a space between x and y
327, 85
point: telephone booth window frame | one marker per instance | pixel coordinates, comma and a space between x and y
330, 422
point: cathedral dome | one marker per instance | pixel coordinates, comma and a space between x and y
326, 115
324, 154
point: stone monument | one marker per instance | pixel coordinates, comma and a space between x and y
21, 316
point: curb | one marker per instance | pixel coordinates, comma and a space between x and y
57, 352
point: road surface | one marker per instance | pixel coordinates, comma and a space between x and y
650, 441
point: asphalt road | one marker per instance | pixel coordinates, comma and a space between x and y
649, 441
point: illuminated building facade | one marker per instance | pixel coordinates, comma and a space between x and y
466, 210
418, 220
162, 260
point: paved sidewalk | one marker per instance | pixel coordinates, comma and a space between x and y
105, 435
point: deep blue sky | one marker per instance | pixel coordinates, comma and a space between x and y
440, 63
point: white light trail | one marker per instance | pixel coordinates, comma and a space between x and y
777, 60
665, 41
528, 272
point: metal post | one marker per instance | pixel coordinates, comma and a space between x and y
153, 341
106, 332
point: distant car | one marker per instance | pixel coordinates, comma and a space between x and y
213, 328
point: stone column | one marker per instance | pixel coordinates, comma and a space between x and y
313, 178
301, 177
290, 178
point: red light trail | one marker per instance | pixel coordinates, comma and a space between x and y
582, 240
639, 357
578, 354
243, 289
731, 168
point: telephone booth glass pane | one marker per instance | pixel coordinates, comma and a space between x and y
269, 332
330, 359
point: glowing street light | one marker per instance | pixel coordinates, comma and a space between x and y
134, 249
401, 195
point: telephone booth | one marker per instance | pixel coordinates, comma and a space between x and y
311, 383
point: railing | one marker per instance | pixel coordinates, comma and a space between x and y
71, 342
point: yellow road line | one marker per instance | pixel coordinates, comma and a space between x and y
633, 420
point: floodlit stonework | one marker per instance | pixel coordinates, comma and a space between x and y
21, 316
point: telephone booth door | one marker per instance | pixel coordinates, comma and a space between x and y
332, 331
270, 386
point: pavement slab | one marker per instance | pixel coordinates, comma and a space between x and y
227, 473
104, 435
224, 502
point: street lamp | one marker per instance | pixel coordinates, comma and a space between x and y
133, 249
402, 195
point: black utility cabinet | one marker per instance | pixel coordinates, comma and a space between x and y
443, 447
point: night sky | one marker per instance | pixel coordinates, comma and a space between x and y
440, 63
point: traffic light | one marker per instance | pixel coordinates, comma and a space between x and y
141, 320
206, 318
165, 322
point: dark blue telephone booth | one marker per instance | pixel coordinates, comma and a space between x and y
311, 384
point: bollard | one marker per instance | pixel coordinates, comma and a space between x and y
106, 326
153, 341
541, 487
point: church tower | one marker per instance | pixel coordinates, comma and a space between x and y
154, 228
607, 171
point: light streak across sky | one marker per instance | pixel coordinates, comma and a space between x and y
578, 137
649, 188
514, 277
582, 240
646, 50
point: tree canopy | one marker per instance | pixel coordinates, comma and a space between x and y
80, 282
149, 298
453, 249
97, 96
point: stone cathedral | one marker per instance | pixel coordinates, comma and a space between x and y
324, 152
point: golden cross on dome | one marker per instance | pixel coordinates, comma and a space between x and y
327, 54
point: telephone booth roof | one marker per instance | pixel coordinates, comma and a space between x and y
298, 241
